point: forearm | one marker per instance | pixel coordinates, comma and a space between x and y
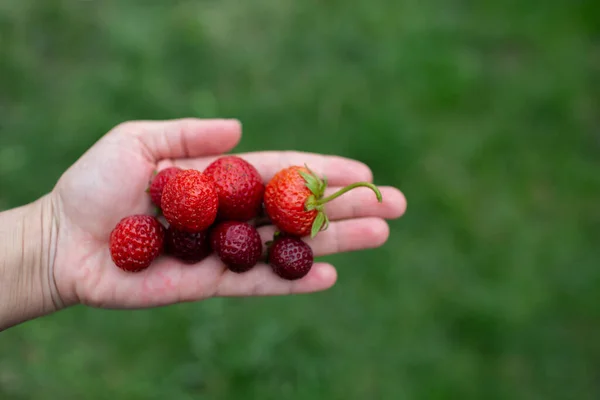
27, 246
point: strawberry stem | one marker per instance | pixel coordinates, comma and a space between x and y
347, 189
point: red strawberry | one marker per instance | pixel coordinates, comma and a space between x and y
158, 183
294, 200
290, 257
240, 188
136, 241
237, 244
190, 201
188, 247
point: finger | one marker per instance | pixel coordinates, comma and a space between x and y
338, 170
262, 281
183, 138
343, 236
170, 281
362, 202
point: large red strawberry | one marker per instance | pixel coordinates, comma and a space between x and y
295, 204
189, 201
240, 188
158, 183
136, 241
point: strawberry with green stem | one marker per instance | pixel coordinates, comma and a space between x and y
294, 200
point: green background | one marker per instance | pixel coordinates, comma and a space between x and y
485, 114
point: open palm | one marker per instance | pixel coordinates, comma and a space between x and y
109, 181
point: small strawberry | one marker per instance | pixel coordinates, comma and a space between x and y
188, 247
136, 241
240, 188
290, 257
295, 204
237, 244
158, 183
189, 201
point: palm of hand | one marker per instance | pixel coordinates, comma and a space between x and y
109, 183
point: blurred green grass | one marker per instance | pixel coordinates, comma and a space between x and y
484, 114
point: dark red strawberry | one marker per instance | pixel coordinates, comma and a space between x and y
190, 201
240, 188
158, 183
237, 244
290, 257
188, 247
136, 241
295, 204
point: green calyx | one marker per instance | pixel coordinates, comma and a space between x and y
317, 202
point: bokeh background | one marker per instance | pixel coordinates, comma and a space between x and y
486, 114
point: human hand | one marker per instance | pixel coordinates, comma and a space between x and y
109, 181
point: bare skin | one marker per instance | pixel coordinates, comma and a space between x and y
55, 250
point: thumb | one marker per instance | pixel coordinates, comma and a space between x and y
183, 138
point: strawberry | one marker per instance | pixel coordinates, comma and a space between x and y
295, 204
190, 201
237, 244
136, 241
188, 247
290, 257
239, 186
158, 183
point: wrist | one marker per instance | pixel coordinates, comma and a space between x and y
27, 251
